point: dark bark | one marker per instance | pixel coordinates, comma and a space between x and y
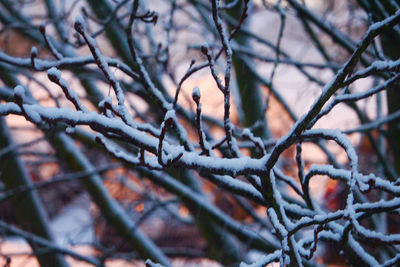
28, 208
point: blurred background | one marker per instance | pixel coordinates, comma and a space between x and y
281, 62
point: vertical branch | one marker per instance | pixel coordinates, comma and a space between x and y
34, 53
282, 15
55, 76
145, 77
205, 147
49, 43
304, 184
100, 61
251, 103
226, 88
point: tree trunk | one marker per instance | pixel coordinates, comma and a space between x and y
28, 207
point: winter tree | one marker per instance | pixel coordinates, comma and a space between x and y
242, 132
